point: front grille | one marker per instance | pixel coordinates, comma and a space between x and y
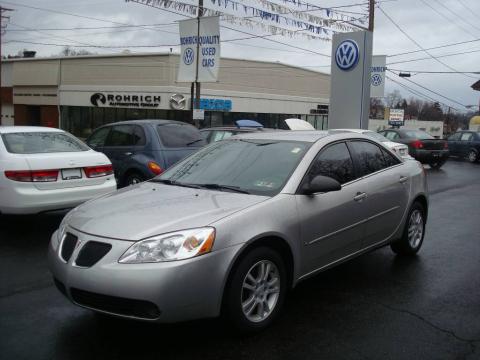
116, 305
68, 245
91, 253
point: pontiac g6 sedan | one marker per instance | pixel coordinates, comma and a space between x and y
230, 229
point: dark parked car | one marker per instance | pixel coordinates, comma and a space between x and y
465, 144
421, 145
142, 149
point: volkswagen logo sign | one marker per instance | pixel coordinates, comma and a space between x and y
347, 55
188, 56
177, 102
377, 79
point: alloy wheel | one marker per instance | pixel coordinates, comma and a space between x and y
260, 291
415, 228
472, 156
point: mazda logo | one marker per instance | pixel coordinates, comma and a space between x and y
177, 102
347, 55
96, 98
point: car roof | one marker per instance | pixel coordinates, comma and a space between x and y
358, 131
287, 135
17, 129
147, 121
231, 128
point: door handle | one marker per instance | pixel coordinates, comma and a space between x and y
128, 153
403, 179
360, 196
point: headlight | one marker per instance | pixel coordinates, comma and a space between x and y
177, 245
60, 234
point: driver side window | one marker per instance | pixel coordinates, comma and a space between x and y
334, 162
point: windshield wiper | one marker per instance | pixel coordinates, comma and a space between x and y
193, 142
175, 183
223, 187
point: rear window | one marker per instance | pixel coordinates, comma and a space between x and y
42, 142
418, 134
179, 135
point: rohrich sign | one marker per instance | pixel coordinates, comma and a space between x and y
125, 100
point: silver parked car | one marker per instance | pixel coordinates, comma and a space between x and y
230, 229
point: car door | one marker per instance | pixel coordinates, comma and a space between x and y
332, 224
387, 185
97, 140
465, 143
453, 145
118, 148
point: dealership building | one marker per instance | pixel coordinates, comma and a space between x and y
79, 94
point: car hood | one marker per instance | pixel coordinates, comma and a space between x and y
150, 209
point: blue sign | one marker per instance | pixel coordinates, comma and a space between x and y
188, 56
216, 104
377, 79
347, 55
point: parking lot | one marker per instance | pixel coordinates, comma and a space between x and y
374, 307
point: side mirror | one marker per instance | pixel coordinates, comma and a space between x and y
320, 184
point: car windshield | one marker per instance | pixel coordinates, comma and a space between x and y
418, 134
376, 136
259, 167
42, 142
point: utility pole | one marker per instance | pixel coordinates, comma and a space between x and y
3, 26
197, 84
371, 15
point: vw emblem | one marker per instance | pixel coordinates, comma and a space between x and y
177, 102
188, 56
377, 79
347, 55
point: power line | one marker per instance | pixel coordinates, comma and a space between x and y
432, 91
438, 56
435, 47
467, 7
419, 46
435, 72
448, 19
412, 91
457, 15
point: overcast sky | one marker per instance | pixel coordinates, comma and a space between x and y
429, 23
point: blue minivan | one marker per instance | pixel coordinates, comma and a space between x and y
142, 149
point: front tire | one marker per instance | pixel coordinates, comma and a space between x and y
133, 178
256, 291
414, 232
472, 156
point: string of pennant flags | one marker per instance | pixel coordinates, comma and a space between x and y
321, 29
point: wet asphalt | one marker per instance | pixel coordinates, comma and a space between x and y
377, 306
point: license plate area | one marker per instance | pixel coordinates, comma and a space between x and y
71, 174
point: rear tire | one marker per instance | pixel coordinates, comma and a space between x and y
133, 178
256, 291
472, 156
436, 165
413, 233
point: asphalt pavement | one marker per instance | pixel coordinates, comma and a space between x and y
377, 306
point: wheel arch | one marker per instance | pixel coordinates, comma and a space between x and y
422, 199
274, 241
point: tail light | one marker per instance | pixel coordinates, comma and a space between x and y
32, 175
97, 171
445, 145
417, 144
154, 167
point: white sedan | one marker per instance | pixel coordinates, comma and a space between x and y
43, 169
400, 149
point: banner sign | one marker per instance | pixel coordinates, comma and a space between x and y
207, 61
396, 117
216, 104
377, 79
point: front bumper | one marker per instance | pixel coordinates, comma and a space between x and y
430, 156
169, 291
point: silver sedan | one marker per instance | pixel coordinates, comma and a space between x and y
230, 229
